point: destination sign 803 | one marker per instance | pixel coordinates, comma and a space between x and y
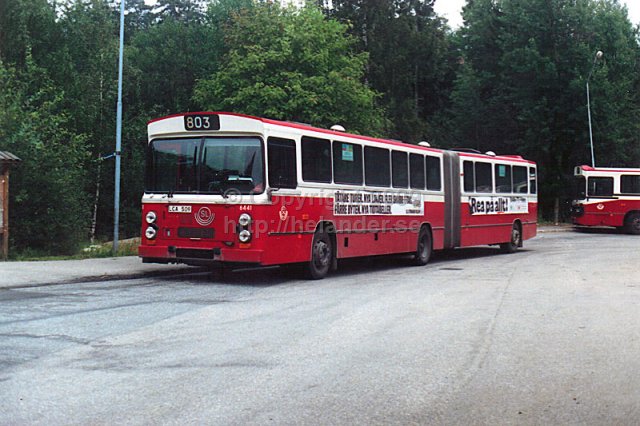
200, 122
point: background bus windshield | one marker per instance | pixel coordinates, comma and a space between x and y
205, 166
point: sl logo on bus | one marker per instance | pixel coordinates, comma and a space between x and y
600, 206
204, 216
283, 213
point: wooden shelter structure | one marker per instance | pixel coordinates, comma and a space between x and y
7, 160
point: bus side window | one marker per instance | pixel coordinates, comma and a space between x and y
520, 180
376, 166
399, 170
347, 163
600, 186
416, 171
484, 181
434, 182
282, 163
533, 185
469, 177
630, 184
316, 160
503, 178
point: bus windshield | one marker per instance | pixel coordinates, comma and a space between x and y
221, 165
580, 188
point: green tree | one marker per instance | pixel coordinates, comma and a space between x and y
294, 65
188, 11
87, 73
521, 88
408, 65
27, 28
49, 211
169, 57
476, 95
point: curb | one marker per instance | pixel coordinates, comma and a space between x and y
109, 277
555, 228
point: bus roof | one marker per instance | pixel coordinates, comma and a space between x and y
307, 127
609, 169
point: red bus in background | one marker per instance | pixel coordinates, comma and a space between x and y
223, 187
607, 197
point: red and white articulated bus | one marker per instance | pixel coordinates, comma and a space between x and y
223, 187
607, 197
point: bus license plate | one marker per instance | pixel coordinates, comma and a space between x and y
179, 209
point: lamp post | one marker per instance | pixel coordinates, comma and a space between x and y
599, 55
116, 196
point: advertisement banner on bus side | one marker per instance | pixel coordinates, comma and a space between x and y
497, 205
362, 203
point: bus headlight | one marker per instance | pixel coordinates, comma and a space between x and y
244, 236
151, 217
244, 219
150, 233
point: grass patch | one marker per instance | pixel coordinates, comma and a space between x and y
127, 247
545, 222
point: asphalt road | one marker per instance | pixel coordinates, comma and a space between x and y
548, 335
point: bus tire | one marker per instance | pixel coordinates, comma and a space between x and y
424, 247
515, 242
321, 256
632, 223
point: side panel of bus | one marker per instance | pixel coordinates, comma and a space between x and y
493, 203
363, 219
294, 219
606, 212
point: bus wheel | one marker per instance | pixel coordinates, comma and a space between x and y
632, 223
321, 256
516, 240
424, 248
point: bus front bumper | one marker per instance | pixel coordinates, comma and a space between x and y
199, 256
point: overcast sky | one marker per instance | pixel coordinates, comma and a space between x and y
451, 9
